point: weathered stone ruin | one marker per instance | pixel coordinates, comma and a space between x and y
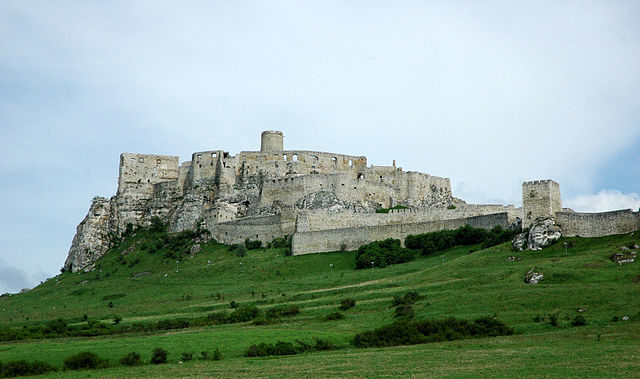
323, 201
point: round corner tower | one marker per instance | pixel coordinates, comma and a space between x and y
272, 140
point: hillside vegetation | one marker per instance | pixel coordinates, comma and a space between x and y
148, 293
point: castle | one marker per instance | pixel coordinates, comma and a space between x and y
324, 201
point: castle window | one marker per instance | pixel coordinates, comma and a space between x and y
213, 155
295, 157
141, 160
335, 160
315, 157
350, 162
284, 157
199, 156
381, 179
155, 169
133, 159
360, 175
199, 166
158, 161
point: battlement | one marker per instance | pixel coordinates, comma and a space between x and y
542, 181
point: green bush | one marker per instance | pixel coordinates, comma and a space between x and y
334, 316
429, 243
252, 245
347, 304
579, 320
186, 356
24, 368
416, 332
216, 355
131, 359
85, 360
382, 254
178, 323
282, 310
386, 210
159, 355
287, 348
279, 243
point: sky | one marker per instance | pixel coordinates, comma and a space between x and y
489, 94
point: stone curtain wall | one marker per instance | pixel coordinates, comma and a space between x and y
325, 219
352, 238
263, 228
598, 224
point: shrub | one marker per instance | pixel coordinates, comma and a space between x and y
415, 332
279, 243
216, 355
243, 314
159, 355
579, 320
334, 316
252, 245
553, 319
538, 318
131, 359
24, 368
116, 319
58, 326
282, 310
405, 311
429, 243
347, 303
241, 251
382, 254
233, 304
85, 360
173, 324
185, 357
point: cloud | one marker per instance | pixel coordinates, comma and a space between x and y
488, 94
605, 200
12, 279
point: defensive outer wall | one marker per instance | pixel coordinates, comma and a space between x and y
352, 238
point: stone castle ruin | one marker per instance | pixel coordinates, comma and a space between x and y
323, 201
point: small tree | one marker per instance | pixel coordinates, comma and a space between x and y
159, 355
131, 359
116, 319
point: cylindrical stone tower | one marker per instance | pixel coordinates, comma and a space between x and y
272, 140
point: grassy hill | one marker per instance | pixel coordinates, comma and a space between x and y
143, 284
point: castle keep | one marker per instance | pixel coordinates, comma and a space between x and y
325, 201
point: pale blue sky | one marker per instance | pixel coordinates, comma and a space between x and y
486, 93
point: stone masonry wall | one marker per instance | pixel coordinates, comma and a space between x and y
540, 198
324, 219
352, 238
598, 224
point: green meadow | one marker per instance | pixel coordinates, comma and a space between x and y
463, 282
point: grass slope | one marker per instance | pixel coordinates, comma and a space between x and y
147, 287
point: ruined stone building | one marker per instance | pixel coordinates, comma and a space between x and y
323, 201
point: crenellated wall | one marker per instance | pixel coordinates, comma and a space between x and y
322, 219
598, 224
306, 242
